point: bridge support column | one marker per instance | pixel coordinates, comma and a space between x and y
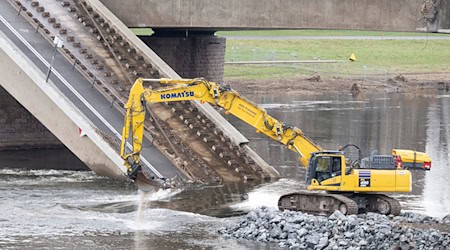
190, 53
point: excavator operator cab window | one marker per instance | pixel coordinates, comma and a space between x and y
327, 167
336, 166
323, 168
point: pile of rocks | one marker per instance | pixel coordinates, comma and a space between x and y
366, 231
420, 218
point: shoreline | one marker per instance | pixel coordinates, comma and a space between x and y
317, 84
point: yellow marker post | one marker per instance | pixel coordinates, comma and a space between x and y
352, 57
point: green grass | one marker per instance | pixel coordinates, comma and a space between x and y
378, 56
321, 33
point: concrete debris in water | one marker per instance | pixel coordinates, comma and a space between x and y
297, 230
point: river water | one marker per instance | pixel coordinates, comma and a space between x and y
76, 209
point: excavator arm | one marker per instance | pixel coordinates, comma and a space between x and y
204, 91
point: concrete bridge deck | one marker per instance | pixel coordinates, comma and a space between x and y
387, 15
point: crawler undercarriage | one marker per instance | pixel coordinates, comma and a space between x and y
321, 203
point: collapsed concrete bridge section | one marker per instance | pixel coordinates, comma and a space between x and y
81, 104
26, 83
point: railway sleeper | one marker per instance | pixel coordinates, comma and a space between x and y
193, 126
209, 125
233, 164
209, 140
217, 148
225, 155
225, 139
217, 132
249, 161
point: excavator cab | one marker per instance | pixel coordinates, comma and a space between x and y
326, 168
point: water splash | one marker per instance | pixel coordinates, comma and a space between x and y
143, 201
268, 195
142, 206
162, 194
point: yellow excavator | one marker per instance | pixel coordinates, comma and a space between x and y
351, 186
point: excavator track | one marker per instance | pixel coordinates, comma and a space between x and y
394, 204
326, 203
111, 61
317, 203
383, 204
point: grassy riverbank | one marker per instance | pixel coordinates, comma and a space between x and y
374, 57
423, 62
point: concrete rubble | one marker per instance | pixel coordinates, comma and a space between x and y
298, 230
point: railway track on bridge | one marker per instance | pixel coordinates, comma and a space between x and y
111, 60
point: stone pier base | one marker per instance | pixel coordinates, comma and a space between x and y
190, 54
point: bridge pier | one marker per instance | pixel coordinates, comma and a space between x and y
191, 53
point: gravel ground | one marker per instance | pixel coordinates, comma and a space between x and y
297, 230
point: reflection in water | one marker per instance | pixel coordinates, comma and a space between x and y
437, 189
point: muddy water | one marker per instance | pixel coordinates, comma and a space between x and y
70, 209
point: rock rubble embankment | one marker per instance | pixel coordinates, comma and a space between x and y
366, 231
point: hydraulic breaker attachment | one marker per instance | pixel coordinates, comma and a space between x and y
144, 179
133, 171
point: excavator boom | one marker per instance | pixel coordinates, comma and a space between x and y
204, 91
